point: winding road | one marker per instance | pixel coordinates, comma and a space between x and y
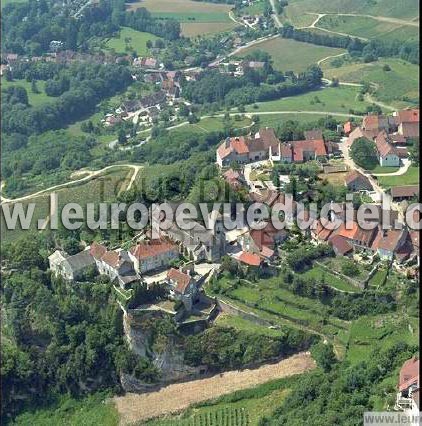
91, 175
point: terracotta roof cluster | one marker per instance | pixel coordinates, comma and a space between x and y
347, 127
375, 122
409, 374
181, 279
262, 141
152, 248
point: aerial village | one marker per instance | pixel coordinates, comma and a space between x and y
183, 261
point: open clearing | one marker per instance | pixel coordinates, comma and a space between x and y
193, 29
136, 40
403, 9
411, 177
399, 86
179, 396
35, 99
292, 55
367, 27
339, 99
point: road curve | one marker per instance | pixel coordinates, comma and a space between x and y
90, 176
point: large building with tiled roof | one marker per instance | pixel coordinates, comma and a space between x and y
151, 255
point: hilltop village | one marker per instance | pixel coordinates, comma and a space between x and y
183, 262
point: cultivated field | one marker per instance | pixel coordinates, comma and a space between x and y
292, 55
367, 27
332, 99
129, 40
398, 86
179, 396
403, 9
101, 189
193, 29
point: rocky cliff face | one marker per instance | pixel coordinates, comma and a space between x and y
166, 353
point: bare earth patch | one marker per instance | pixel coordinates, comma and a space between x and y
179, 396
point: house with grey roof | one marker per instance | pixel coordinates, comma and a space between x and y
71, 268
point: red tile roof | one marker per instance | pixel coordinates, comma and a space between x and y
409, 374
249, 258
97, 250
408, 116
268, 137
340, 245
112, 258
383, 146
313, 145
354, 175
152, 248
267, 235
389, 239
181, 279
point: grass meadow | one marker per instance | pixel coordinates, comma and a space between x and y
292, 55
129, 39
367, 27
35, 99
398, 86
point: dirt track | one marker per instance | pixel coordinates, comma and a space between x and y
179, 396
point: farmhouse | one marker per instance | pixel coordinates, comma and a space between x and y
407, 398
408, 123
356, 181
244, 149
387, 153
299, 151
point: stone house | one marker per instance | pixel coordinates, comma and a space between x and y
71, 268
153, 254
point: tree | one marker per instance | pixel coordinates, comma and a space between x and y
34, 87
364, 153
324, 356
121, 137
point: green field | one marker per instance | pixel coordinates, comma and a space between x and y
101, 189
194, 16
399, 86
270, 299
35, 99
331, 99
321, 275
383, 330
411, 177
403, 9
367, 27
90, 411
193, 29
129, 40
292, 55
